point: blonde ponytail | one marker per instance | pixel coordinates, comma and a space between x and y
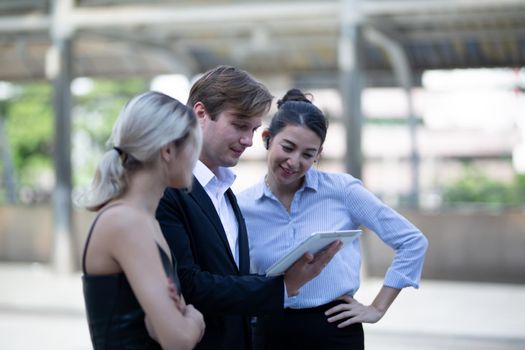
145, 124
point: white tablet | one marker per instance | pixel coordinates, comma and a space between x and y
316, 242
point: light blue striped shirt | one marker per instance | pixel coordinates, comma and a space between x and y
326, 202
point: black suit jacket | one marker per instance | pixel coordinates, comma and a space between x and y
210, 279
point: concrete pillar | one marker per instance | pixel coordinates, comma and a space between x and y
351, 82
8, 169
60, 72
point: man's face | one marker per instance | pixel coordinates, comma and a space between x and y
226, 137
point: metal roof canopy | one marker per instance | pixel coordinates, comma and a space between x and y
345, 44
114, 38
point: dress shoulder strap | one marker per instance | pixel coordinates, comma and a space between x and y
89, 235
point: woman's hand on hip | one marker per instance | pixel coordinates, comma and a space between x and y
351, 311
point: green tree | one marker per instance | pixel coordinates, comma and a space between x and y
29, 128
477, 188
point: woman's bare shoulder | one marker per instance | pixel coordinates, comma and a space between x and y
124, 221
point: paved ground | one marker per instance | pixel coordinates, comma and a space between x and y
42, 310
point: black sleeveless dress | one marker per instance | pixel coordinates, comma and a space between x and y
115, 317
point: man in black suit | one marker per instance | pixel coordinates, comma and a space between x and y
205, 228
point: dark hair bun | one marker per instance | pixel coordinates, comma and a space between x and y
294, 95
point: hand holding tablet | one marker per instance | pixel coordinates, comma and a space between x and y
316, 242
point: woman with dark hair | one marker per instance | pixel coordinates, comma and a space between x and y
129, 274
294, 200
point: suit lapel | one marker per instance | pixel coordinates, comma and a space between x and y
201, 198
244, 250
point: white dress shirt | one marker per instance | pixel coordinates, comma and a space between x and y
216, 187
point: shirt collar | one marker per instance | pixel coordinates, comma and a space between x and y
311, 181
204, 175
261, 189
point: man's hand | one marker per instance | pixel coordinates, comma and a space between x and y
308, 267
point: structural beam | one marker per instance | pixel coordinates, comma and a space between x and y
27, 23
403, 73
212, 16
8, 169
351, 82
60, 72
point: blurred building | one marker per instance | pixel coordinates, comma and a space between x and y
338, 47
370, 66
